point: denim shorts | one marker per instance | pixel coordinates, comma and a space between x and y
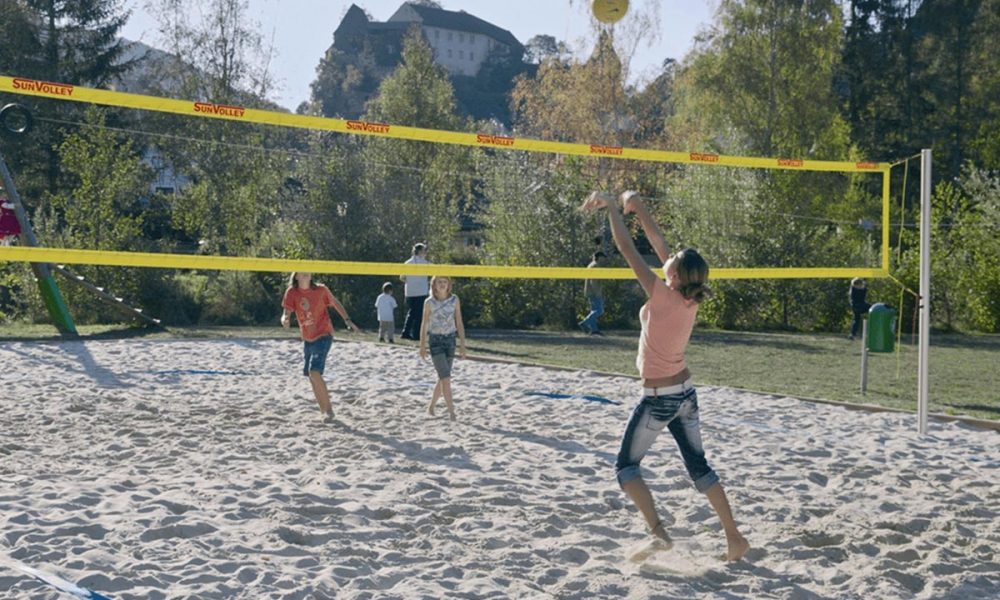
677, 412
315, 354
442, 347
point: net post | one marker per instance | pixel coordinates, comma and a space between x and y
864, 356
924, 302
47, 287
886, 179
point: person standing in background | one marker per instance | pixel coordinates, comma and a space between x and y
416, 290
859, 304
595, 297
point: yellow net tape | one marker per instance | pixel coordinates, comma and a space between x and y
74, 93
239, 263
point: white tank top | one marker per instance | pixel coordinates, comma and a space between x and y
442, 315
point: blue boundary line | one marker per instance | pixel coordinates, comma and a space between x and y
57, 582
554, 395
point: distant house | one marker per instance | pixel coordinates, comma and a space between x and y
461, 42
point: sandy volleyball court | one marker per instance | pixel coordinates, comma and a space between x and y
201, 469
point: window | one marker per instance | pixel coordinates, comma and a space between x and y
461, 37
449, 36
449, 52
470, 56
461, 53
472, 39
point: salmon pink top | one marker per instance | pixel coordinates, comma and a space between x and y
667, 319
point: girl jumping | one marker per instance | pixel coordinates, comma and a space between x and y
669, 398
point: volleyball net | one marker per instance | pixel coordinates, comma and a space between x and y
776, 218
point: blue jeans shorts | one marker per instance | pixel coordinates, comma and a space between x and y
678, 412
315, 354
442, 348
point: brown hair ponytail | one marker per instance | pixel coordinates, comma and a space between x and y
692, 270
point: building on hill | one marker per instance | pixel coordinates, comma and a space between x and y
461, 42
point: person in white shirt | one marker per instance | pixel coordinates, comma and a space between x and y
416, 290
386, 307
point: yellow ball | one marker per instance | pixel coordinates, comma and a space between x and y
609, 11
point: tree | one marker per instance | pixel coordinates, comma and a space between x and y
877, 77
100, 209
66, 41
344, 83
760, 83
545, 47
415, 189
224, 55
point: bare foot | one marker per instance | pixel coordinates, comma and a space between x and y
660, 542
737, 548
430, 409
660, 532
451, 415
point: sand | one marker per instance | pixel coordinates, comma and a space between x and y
202, 469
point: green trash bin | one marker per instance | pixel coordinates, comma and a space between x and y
881, 328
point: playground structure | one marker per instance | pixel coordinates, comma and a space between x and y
14, 120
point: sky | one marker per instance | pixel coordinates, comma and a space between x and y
302, 30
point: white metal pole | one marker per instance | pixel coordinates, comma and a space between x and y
864, 356
925, 289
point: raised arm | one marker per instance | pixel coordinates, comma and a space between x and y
623, 239
632, 203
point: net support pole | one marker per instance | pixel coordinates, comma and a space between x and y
47, 286
924, 302
864, 356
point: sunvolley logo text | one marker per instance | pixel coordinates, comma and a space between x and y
704, 157
367, 126
33, 85
866, 165
789, 162
495, 140
223, 110
609, 150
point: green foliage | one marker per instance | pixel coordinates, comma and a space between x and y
763, 74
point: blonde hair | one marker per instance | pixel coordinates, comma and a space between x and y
441, 278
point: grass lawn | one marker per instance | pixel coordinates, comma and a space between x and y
964, 369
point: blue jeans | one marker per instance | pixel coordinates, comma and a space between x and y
315, 354
596, 310
442, 348
677, 412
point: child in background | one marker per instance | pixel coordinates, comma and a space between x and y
441, 324
311, 301
386, 305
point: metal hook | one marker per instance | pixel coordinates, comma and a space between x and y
16, 118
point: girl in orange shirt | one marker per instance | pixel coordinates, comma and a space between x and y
310, 302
